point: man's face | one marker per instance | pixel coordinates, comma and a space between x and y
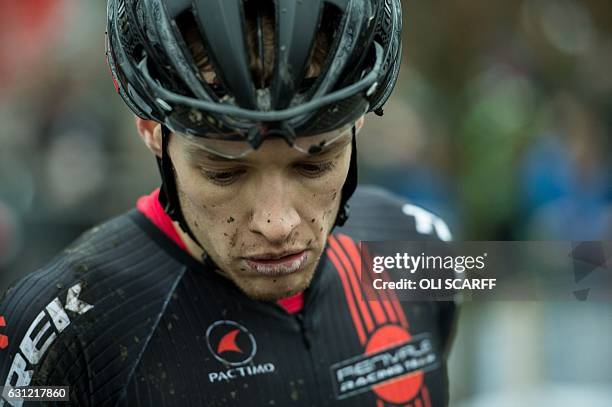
263, 219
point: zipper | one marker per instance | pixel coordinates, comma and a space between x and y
303, 330
306, 335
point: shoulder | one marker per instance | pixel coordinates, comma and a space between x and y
378, 214
101, 258
75, 267
107, 286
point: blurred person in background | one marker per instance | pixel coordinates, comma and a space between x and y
567, 177
235, 283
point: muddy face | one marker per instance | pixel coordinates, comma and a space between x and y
263, 219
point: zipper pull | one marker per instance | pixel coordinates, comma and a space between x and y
303, 330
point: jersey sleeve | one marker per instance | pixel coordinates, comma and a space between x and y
42, 347
84, 321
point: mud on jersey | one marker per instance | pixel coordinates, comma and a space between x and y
125, 317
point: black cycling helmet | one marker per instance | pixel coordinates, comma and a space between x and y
157, 76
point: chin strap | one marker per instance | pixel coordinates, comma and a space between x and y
349, 185
168, 195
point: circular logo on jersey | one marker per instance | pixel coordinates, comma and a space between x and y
401, 390
231, 343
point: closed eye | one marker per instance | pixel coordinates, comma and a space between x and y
225, 177
314, 170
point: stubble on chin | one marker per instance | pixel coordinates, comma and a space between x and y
268, 289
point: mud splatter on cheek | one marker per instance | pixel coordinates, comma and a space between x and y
234, 238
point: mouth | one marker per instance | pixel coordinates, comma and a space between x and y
277, 264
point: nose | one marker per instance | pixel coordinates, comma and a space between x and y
274, 215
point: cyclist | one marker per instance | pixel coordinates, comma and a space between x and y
237, 282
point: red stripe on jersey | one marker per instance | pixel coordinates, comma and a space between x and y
384, 296
392, 299
351, 248
348, 294
356, 289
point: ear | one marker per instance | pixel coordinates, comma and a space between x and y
150, 132
359, 123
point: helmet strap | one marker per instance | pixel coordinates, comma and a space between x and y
168, 195
349, 185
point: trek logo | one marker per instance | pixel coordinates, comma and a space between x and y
233, 345
364, 372
41, 335
3, 338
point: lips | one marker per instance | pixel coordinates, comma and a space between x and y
277, 264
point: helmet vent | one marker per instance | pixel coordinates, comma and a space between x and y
122, 17
384, 25
320, 52
261, 40
196, 44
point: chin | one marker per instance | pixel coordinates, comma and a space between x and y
275, 288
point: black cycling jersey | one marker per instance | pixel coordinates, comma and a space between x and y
125, 317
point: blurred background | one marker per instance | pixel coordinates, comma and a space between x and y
501, 123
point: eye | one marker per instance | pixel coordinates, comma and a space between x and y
314, 170
226, 177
